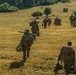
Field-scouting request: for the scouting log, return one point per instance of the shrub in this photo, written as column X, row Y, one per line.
column 5, row 7
column 36, row 14
column 74, row 13
column 64, row 1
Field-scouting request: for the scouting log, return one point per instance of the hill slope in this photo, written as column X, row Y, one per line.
column 45, row 49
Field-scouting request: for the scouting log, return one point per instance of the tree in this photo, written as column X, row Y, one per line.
column 28, row 3
column 5, row 7
column 59, row 0
column 64, row 1
column 47, row 11
column 37, row 14
column 74, row 13
column 17, row 3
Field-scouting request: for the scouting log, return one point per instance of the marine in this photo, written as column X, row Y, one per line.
column 67, row 55
column 57, row 21
column 35, row 28
column 26, row 42
column 44, row 24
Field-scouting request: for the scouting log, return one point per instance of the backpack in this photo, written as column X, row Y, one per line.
column 27, row 40
column 66, row 53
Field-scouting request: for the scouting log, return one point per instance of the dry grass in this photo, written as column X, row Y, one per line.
column 45, row 49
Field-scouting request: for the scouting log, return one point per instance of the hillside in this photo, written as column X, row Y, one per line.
column 44, row 51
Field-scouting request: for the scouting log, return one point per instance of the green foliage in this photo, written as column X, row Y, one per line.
column 59, row 0
column 47, row 11
column 28, row 3
column 37, row 13
column 74, row 13
column 17, row 3
column 5, row 7
column 64, row 1
column 49, row 2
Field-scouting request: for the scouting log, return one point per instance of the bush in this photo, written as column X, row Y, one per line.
column 36, row 14
column 53, row 1
column 46, row 2
column 49, row 2
column 74, row 13
column 64, row 1
column 59, row 0
column 5, row 7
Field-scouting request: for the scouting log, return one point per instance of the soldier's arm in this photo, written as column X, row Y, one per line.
column 73, row 58
column 59, row 57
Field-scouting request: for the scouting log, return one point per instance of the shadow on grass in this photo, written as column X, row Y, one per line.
column 16, row 64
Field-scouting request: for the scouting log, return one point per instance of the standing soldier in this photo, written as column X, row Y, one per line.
column 26, row 42
column 71, row 19
column 35, row 28
column 45, row 23
column 74, row 21
column 56, row 21
column 59, row 21
column 49, row 21
column 67, row 55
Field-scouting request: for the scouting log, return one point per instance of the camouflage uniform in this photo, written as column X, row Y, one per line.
column 74, row 21
column 49, row 21
column 71, row 20
column 57, row 21
column 35, row 28
column 67, row 55
column 45, row 23
column 26, row 43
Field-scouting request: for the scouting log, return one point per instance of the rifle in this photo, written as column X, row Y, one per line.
column 29, row 33
column 21, row 32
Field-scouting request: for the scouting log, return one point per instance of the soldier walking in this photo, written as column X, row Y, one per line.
column 57, row 21
column 49, row 21
column 71, row 20
column 35, row 28
column 67, row 55
column 44, row 24
column 26, row 42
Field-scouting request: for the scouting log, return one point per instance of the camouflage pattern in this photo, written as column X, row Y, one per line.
column 67, row 55
column 57, row 21
column 49, row 21
column 73, row 20
column 35, row 27
column 26, row 42
column 46, row 21
column 44, row 24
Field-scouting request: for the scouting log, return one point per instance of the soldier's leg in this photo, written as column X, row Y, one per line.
column 34, row 35
column 28, row 52
column 24, row 53
column 44, row 26
column 67, row 66
column 49, row 23
column 37, row 33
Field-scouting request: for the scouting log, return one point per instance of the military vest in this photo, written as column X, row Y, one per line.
column 27, row 40
column 67, row 53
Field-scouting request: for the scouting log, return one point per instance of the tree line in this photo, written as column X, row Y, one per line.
column 20, row 4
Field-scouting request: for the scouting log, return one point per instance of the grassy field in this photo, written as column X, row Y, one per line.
column 44, row 51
